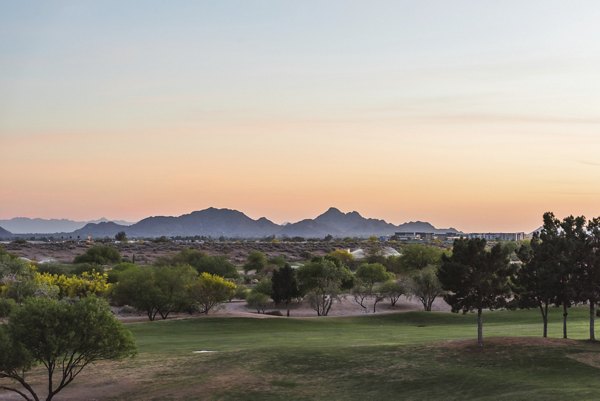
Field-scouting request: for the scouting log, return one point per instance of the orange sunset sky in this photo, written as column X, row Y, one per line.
column 475, row 115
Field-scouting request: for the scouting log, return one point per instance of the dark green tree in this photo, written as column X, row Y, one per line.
column 63, row 337
column 536, row 283
column 475, row 278
column 137, row 287
column 172, row 283
column 99, row 255
column 588, row 273
column 202, row 262
column 569, row 252
column 121, row 236
column 285, row 286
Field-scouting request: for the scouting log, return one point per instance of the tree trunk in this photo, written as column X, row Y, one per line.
column 287, row 305
column 592, row 320
column 429, row 304
column 479, row 327
column 565, row 314
column 50, row 383
column 424, row 302
column 544, row 312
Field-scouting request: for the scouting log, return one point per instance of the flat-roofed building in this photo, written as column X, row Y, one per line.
column 498, row 236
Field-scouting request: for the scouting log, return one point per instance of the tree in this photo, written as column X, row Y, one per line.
column 136, row 287
column 371, row 273
column 418, row 256
column 256, row 261
column 322, row 280
column 475, row 278
column 257, row 300
column 285, row 286
column 264, row 286
column 536, row 281
column 121, row 236
column 343, row 256
column 6, row 307
column 210, row 290
column 425, row 286
column 278, row 261
column 373, row 248
column 64, row 337
column 590, row 276
column 17, row 278
column 568, row 252
column 157, row 290
column 99, row 255
column 202, row 262
column 172, row 283
column 367, row 275
column 393, row 289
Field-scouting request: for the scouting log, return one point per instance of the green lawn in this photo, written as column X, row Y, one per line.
column 381, row 357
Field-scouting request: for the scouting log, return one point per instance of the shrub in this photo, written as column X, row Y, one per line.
column 99, row 255
column 7, row 305
column 257, row 300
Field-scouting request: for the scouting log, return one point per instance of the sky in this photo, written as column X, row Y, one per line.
column 480, row 115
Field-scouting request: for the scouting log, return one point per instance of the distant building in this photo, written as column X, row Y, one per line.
column 498, row 236
column 412, row 236
column 425, row 236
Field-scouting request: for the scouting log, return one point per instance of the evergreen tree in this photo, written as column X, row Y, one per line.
column 285, row 286
column 475, row 278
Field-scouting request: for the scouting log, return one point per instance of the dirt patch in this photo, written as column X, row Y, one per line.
column 588, row 358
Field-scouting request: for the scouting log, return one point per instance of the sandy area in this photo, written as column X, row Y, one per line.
column 344, row 307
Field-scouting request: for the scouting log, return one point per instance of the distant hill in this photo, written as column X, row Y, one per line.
column 26, row 225
column 103, row 229
column 424, row 227
column 5, row 233
column 209, row 222
column 338, row 224
column 215, row 223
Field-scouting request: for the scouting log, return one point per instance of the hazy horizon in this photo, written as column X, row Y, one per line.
column 476, row 115
column 131, row 222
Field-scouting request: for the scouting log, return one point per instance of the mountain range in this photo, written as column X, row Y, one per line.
column 5, row 234
column 26, row 225
column 229, row 223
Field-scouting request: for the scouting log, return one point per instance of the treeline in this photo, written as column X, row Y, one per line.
column 192, row 281
column 559, row 267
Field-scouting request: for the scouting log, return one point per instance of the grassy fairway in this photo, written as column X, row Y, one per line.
column 401, row 356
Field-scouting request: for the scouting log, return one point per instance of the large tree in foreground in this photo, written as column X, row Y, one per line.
column 63, row 337
column 475, row 278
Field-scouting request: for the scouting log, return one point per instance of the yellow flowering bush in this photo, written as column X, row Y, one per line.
column 89, row 283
